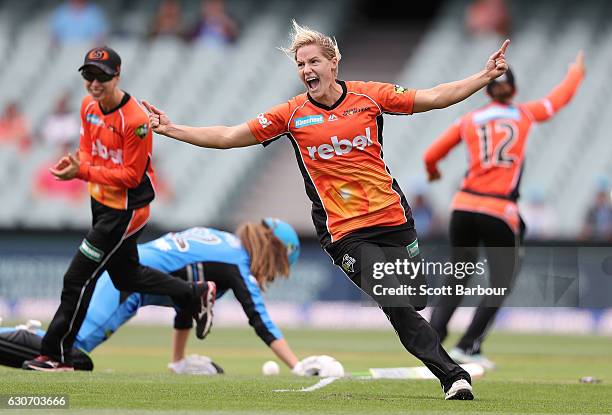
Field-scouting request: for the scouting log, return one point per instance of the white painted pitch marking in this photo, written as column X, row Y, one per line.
column 320, row 384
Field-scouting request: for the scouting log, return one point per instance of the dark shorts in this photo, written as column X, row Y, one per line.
column 361, row 254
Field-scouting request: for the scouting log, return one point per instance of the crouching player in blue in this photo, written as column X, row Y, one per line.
column 244, row 263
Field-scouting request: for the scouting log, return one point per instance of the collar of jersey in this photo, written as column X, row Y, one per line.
column 325, row 107
column 124, row 100
column 501, row 104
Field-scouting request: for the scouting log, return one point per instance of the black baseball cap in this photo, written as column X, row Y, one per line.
column 103, row 58
column 508, row 76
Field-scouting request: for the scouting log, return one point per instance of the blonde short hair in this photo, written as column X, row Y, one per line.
column 303, row 36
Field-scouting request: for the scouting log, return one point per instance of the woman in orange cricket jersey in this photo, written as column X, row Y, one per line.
column 358, row 209
column 484, row 211
column 114, row 158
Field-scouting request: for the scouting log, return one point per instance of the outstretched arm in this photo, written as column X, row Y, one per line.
column 543, row 109
column 281, row 349
column 210, row 137
column 445, row 95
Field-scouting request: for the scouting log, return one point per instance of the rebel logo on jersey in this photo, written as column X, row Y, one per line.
column 102, row 151
column 339, row 150
column 340, row 147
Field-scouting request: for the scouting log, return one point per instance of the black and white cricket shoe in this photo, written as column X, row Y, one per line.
column 460, row 390
column 203, row 314
column 46, row 364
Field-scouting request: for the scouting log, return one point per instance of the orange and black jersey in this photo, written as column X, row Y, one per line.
column 495, row 137
column 115, row 154
column 339, row 152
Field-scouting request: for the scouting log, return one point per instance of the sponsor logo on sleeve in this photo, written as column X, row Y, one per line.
column 91, row 251
column 263, row 121
column 142, row 130
column 308, row 120
column 400, row 89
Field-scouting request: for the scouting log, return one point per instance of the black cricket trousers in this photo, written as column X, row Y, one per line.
column 111, row 245
column 356, row 255
column 469, row 230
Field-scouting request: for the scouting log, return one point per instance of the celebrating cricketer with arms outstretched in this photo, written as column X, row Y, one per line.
column 358, row 208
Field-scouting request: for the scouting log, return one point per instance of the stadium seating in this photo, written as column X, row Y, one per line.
column 564, row 156
column 195, row 84
column 203, row 85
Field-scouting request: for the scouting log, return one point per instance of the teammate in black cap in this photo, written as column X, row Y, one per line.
column 114, row 157
column 105, row 59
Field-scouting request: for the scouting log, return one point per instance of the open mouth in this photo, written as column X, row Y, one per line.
column 96, row 93
column 312, row 82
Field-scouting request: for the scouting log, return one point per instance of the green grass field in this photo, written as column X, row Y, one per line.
column 536, row 374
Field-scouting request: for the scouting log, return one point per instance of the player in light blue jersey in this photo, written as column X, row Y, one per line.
column 244, row 262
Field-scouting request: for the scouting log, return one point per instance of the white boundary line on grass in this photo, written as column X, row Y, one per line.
column 320, row 384
column 419, row 372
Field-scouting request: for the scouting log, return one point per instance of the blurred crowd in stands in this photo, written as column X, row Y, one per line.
column 59, row 132
column 214, row 26
column 540, row 217
column 488, row 17
column 84, row 21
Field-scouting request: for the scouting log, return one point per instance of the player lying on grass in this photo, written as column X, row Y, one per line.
column 485, row 209
column 244, row 263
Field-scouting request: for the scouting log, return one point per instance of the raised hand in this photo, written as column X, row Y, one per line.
column 158, row 119
column 496, row 65
column 433, row 176
column 579, row 62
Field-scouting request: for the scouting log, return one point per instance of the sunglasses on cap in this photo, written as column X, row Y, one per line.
column 100, row 76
